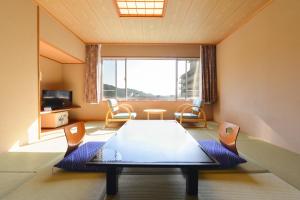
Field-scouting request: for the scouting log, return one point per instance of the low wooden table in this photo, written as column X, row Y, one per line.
column 152, row 144
column 155, row 111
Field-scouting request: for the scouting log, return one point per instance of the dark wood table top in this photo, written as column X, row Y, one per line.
column 152, row 143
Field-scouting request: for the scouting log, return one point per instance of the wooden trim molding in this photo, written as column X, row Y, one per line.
column 51, row 59
column 38, row 71
column 50, row 51
column 149, row 43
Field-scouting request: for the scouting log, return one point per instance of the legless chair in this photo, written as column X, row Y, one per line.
column 74, row 134
column 191, row 113
column 114, row 115
column 228, row 134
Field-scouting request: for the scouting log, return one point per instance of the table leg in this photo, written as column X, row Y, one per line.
column 192, row 181
column 161, row 115
column 111, row 181
column 148, row 115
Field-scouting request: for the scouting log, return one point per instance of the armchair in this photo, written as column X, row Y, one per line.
column 191, row 113
column 114, row 115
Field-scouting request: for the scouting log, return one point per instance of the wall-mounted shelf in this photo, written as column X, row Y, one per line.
column 60, row 110
column 51, row 52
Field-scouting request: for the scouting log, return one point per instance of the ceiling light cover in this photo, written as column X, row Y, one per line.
column 141, row 8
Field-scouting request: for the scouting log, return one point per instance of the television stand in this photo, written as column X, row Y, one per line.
column 55, row 118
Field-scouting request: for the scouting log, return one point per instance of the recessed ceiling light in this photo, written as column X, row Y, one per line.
column 141, row 8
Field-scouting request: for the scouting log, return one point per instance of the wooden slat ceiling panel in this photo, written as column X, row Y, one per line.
column 185, row 21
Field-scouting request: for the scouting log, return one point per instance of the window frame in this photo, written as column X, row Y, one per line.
column 115, row 59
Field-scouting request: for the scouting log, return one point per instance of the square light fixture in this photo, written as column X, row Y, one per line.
column 141, row 8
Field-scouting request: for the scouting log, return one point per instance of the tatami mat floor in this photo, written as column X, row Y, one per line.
column 18, row 170
column 279, row 161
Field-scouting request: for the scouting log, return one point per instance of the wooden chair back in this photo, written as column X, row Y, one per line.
column 228, row 134
column 74, row 135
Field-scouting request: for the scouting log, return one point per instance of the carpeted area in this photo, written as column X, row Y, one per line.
column 271, row 173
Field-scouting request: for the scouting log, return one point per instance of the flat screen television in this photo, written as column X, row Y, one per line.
column 56, row 99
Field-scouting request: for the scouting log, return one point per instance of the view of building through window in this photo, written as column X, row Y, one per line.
column 162, row 79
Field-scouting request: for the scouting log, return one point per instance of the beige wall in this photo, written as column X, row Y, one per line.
column 58, row 36
column 18, row 73
column 151, row 50
column 258, row 76
column 50, row 74
column 73, row 75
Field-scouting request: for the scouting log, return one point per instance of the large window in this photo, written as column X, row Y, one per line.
column 161, row 79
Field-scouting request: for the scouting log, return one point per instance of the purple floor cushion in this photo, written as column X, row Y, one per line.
column 225, row 157
column 76, row 161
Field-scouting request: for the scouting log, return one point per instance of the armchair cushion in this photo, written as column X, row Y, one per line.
column 124, row 116
column 186, row 115
column 197, row 103
column 113, row 104
column 76, row 160
column 225, row 157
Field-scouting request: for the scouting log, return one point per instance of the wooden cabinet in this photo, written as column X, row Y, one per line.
column 56, row 119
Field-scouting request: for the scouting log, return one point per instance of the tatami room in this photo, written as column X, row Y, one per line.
column 149, row 99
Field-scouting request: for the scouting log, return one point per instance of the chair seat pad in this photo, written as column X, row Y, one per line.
column 225, row 157
column 124, row 116
column 76, row 160
column 186, row 115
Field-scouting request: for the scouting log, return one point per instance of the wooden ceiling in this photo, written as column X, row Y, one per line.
column 185, row 21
